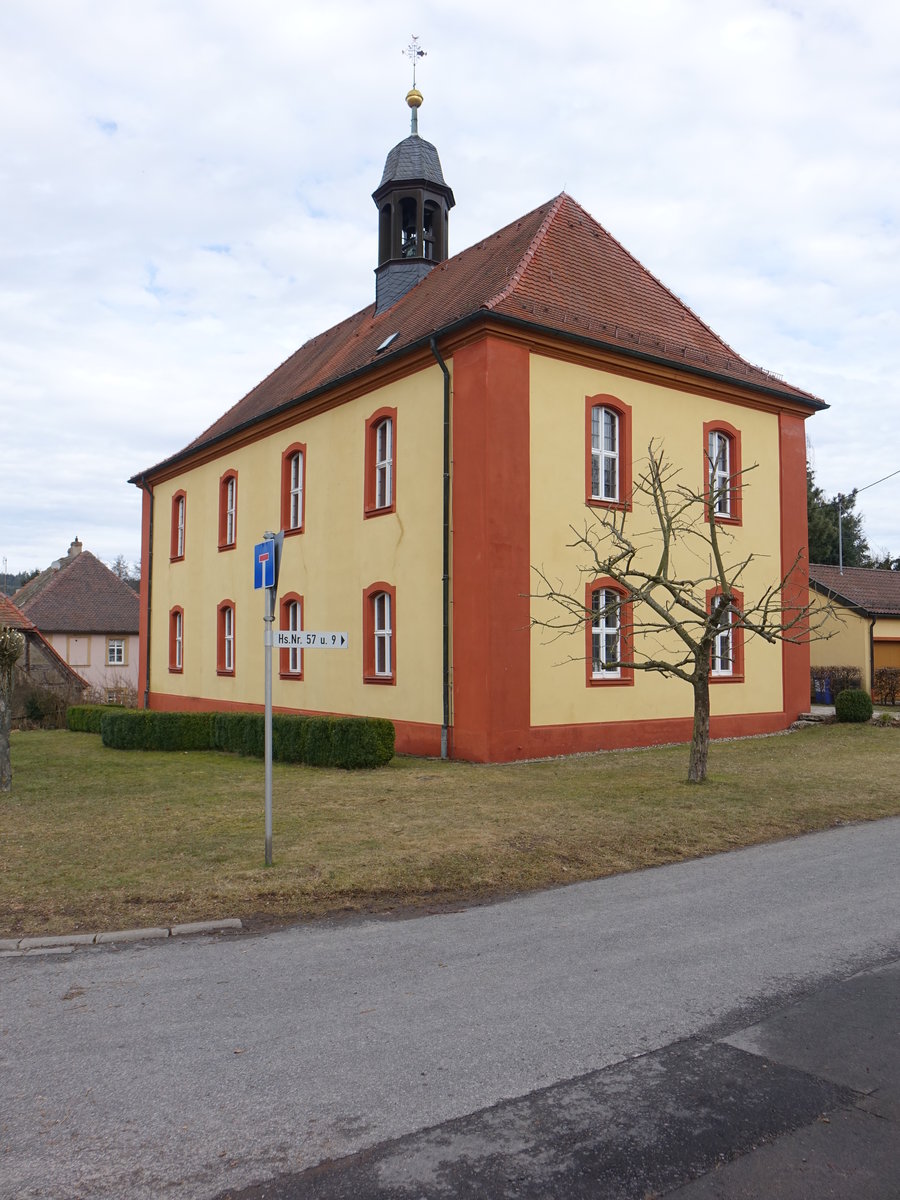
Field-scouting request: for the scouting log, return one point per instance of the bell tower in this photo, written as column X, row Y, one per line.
column 413, row 203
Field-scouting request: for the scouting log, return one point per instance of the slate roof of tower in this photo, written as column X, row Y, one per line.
column 413, row 158
column 875, row 591
column 556, row 270
column 84, row 597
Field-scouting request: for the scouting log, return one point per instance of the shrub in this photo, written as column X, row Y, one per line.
column 853, row 704
column 85, row 718
column 886, row 684
column 348, row 742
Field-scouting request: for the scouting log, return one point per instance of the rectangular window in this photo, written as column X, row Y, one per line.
column 384, row 461
column 382, row 621
column 719, row 450
column 115, row 652
column 722, row 655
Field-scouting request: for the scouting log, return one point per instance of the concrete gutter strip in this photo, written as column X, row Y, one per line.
column 66, row 941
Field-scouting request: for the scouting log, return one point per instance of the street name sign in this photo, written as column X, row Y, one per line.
column 308, row 639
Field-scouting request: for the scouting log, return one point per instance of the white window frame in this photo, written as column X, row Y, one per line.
column 119, row 645
column 606, row 631
column 178, row 640
column 295, row 623
column 179, row 527
column 383, row 634
column 384, row 463
column 230, row 510
column 228, row 638
column 296, row 492
column 604, row 458
column 719, row 453
column 722, row 661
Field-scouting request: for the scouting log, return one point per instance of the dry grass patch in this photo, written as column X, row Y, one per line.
column 94, row 838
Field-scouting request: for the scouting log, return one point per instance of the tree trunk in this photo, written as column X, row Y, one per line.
column 700, row 739
column 5, row 726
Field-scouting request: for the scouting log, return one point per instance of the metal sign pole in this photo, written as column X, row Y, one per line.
column 268, row 619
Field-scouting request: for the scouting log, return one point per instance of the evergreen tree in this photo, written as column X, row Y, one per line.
column 822, row 518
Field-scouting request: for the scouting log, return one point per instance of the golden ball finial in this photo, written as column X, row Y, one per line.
column 414, row 98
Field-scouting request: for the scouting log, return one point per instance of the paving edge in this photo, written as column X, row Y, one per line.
column 60, row 941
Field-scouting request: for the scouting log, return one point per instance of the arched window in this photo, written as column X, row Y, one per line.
column 381, row 462
column 726, row 663
column 607, row 452
column 179, row 514
column 409, row 228
column 290, row 664
column 225, row 638
column 228, row 510
column 293, row 484
column 380, row 634
column 722, row 471
column 608, row 631
column 176, row 640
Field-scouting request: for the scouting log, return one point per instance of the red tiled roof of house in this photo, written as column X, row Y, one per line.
column 11, row 615
column 553, row 269
column 875, row 591
column 85, row 597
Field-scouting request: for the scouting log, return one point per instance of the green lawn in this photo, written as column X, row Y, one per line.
column 96, row 838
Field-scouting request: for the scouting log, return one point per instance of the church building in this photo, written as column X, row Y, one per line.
column 427, row 453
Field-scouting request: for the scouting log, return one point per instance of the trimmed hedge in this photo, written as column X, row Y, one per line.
column 85, row 718
column 348, row 742
column 853, row 705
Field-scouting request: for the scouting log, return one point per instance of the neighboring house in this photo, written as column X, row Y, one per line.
column 864, row 626
column 91, row 618
column 423, row 455
column 39, row 666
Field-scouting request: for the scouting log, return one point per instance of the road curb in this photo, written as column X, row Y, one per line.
column 67, row 941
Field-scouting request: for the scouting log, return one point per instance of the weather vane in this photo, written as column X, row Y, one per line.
column 413, row 52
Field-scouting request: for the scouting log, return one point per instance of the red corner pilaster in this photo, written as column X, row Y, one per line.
column 144, row 619
column 491, row 567
column 794, row 548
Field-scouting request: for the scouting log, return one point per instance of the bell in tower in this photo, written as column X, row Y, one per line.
column 413, row 204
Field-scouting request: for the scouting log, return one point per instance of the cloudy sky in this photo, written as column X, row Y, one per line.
column 186, row 198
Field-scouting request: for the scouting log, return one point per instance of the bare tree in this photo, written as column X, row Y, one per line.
column 12, row 643
column 676, row 606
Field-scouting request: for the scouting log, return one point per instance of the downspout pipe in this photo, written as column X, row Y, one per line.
column 149, row 491
column 871, row 655
column 445, row 686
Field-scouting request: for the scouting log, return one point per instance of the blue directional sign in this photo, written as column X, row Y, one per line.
column 264, row 564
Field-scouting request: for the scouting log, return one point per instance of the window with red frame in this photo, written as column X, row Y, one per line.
column 179, row 513
column 727, row 653
column 290, row 665
column 225, row 638
column 381, row 462
column 293, row 483
column 608, row 632
column 380, row 634
column 722, row 471
column 607, row 452
column 176, row 639
column 228, row 510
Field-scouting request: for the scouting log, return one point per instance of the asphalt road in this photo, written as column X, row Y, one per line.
column 207, row 1067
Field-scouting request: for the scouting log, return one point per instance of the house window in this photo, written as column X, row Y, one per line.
column 608, row 631
column 379, row 634
column 228, row 510
column 176, row 639
column 722, row 471
column 290, row 663
column 381, row 462
column 607, row 452
column 179, row 512
column 115, row 652
column 293, row 480
column 727, row 652
column 225, row 640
